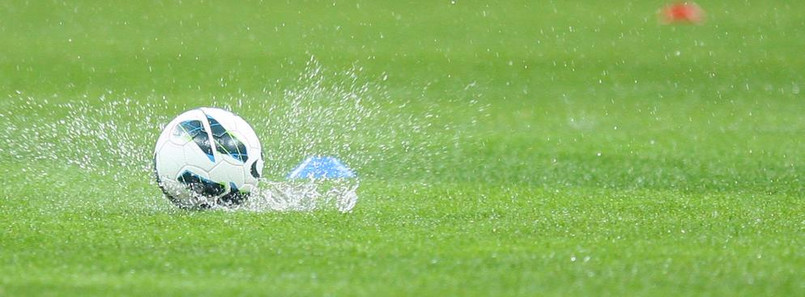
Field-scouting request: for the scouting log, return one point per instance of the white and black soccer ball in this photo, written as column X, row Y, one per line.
column 207, row 157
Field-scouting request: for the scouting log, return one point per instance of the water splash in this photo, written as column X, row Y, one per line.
column 322, row 112
column 305, row 195
column 105, row 138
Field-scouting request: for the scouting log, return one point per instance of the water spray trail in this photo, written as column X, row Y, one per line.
column 322, row 112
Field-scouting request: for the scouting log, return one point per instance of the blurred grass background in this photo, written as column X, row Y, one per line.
column 568, row 148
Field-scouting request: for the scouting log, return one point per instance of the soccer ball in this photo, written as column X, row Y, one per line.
column 207, row 157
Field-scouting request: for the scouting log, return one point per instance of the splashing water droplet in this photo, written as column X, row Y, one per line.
column 322, row 112
column 306, row 195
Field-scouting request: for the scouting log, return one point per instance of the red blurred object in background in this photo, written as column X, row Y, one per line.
column 682, row 12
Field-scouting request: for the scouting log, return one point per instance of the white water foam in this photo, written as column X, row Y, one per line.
column 304, row 195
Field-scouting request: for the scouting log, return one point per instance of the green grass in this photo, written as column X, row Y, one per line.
column 517, row 148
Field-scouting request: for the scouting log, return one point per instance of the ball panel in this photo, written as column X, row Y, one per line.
column 201, row 185
column 173, row 132
column 226, row 142
column 193, row 155
column 246, row 131
column 225, row 173
column 169, row 160
column 197, row 131
column 255, row 170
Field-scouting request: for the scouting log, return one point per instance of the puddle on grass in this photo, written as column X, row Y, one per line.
column 322, row 113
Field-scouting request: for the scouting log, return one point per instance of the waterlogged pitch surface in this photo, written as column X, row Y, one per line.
column 508, row 149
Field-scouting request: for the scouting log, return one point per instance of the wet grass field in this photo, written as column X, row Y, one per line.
column 503, row 149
